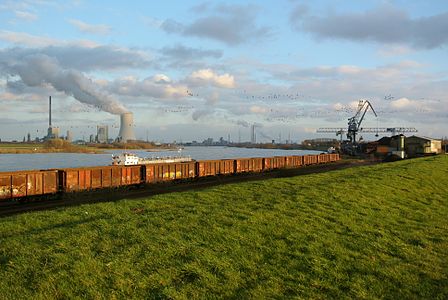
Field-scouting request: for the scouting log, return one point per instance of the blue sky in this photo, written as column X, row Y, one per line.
column 193, row 69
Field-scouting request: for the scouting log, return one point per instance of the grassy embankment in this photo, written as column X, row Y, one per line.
column 367, row 232
column 59, row 145
column 50, row 146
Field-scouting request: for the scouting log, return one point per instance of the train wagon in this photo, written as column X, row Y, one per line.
column 28, row 183
column 21, row 184
column 294, row 161
column 169, row 171
column 81, row 179
column 254, row 164
column 310, row 160
column 334, row 157
column 275, row 162
column 215, row 167
column 323, row 158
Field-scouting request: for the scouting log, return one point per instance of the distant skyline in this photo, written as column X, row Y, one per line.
column 190, row 70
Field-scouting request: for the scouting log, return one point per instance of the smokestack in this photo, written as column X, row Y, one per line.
column 126, row 127
column 49, row 111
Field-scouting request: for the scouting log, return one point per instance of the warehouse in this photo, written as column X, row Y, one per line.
column 419, row 146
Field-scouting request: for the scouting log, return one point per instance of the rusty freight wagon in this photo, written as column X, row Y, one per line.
column 310, row 160
column 21, row 184
column 334, row 157
column 294, row 161
column 169, row 171
column 81, row 179
column 275, row 162
column 215, row 167
column 323, row 158
column 254, row 164
column 28, row 183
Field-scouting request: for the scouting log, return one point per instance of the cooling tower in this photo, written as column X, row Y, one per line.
column 126, row 127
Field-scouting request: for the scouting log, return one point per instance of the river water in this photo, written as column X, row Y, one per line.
column 40, row 161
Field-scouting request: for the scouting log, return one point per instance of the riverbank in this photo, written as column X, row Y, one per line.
column 28, row 148
column 303, row 237
column 280, row 146
column 62, row 146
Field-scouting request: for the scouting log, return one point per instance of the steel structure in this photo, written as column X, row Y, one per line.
column 392, row 130
column 354, row 123
column 354, row 127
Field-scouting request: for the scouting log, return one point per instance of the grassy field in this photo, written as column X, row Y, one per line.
column 60, row 145
column 366, row 232
column 46, row 147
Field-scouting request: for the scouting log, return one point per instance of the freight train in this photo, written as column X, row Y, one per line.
column 28, row 184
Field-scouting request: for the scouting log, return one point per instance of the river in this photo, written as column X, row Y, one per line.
column 40, row 161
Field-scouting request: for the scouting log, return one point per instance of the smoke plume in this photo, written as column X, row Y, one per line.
column 242, row 123
column 40, row 69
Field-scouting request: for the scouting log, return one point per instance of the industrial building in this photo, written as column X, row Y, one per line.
column 52, row 132
column 253, row 136
column 419, row 146
column 413, row 146
column 126, row 128
column 69, row 136
column 102, row 133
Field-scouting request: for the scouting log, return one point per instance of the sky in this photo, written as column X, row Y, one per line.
column 189, row 70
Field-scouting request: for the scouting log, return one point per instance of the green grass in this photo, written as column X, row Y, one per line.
column 367, row 232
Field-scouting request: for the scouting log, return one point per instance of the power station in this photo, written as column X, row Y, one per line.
column 52, row 132
column 126, row 133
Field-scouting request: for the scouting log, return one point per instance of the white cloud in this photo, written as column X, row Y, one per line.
column 24, row 15
column 100, row 29
column 158, row 86
column 394, row 50
column 407, row 104
column 161, row 78
column 258, row 109
column 82, row 58
column 209, row 76
column 26, row 39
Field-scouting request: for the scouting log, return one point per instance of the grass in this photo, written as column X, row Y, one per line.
column 50, row 146
column 59, row 145
column 367, row 232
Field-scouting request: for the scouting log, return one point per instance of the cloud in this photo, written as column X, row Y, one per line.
column 212, row 99
column 205, row 76
column 258, row 109
column 405, row 104
column 230, row 24
column 39, row 69
column 182, row 52
column 24, row 15
column 200, row 113
column 242, row 123
column 83, row 58
column 151, row 22
column 158, row 86
column 99, row 29
column 171, row 26
column 383, row 24
column 394, row 50
column 26, row 39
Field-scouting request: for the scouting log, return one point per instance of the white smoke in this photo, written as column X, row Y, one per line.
column 242, row 123
column 40, row 69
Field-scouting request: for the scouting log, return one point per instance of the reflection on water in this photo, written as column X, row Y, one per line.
column 12, row 162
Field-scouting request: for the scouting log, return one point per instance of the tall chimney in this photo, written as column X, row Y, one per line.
column 126, row 127
column 49, row 110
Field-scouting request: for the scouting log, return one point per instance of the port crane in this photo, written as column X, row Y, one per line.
column 354, row 127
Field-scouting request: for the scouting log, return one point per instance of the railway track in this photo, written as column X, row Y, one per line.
column 12, row 207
